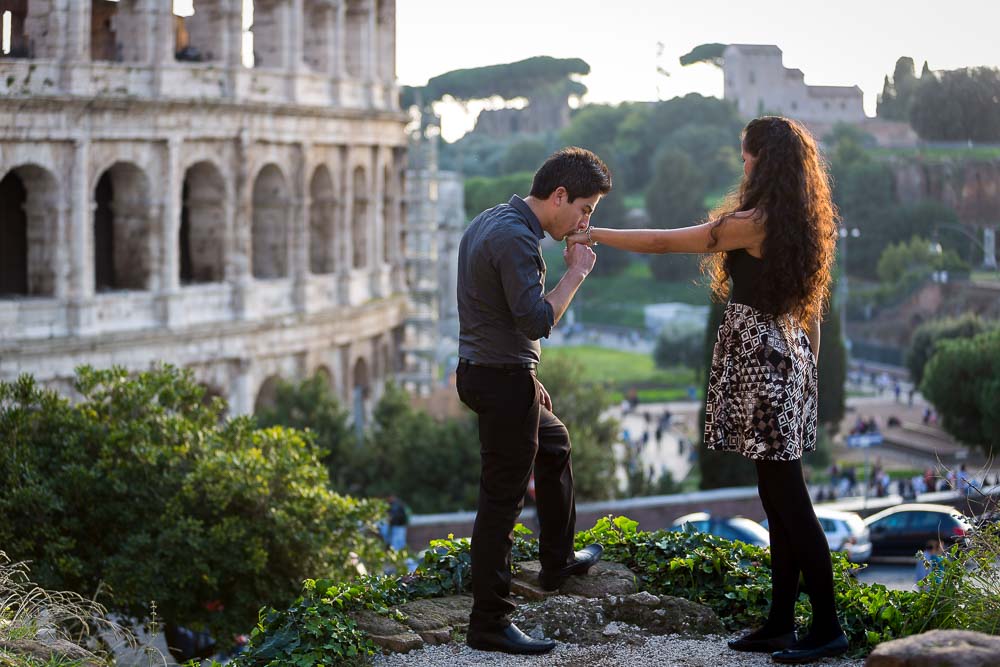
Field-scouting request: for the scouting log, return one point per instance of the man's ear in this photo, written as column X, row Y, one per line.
column 559, row 196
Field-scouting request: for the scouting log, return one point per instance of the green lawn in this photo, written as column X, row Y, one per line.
column 986, row 276
column 626, row 370
column 619, row 300
column 976, row 153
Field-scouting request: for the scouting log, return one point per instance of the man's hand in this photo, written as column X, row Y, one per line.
column 543, row 396
column 579, row 256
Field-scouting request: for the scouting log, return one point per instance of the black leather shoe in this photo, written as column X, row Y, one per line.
column 582, row 561
column 769, row 645
column 508, row 640
column 795, row 656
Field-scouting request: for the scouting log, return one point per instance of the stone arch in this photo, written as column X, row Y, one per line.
column 324, row 372
column 355, row 33
column 322, row 221
column 388, row 213
column 318, row 35
column 119, row 31
column 268, row 28
column 124, row 238
column 201, row 36
column 385, row 27
column 28, row 232
column 401, row 213
column 267, row 394
column 13, row 19
column 359, row 218
column 361, row 393
column 386, row 355
column 203, row 225
column 269, row 232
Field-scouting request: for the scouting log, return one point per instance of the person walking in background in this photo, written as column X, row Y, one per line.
column 774, row 238
column 399, row 519
column 503, row 311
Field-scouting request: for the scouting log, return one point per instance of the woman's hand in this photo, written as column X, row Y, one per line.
column 577, row 237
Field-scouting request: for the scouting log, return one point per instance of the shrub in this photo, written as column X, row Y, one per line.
column 730, row 577
column 139, row 491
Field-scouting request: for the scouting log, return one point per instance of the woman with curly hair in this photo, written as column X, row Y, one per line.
column 773, row 239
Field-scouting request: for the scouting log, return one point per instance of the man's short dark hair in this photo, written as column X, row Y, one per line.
column 580, row 171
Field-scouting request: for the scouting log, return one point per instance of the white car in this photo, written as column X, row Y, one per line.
column 847, row 532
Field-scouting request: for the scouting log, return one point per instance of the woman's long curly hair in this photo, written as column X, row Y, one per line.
column 790, row 189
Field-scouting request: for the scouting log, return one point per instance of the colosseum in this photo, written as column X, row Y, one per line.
column 218, row 184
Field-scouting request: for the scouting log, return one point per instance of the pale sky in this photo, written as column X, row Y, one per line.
column 835, row 42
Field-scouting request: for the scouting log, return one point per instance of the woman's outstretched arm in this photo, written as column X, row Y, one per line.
column 739, row 230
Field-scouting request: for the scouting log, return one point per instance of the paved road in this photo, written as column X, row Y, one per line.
column 896, row 577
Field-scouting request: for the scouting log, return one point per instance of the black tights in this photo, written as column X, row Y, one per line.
column 797, row 545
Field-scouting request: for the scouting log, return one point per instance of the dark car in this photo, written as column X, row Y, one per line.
column 900, row 532
column 731, row 528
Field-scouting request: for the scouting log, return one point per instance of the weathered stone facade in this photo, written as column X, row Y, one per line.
column 757, row 82
column 161, row 201
column 435, row 222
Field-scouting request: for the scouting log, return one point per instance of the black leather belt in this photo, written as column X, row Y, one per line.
column 526, row 365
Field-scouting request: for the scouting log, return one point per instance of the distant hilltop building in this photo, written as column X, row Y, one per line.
column 758, row 83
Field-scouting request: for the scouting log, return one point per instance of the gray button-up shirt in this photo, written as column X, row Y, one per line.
column 501, row 282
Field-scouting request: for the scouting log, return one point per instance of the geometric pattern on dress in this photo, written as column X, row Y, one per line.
column 762, row 396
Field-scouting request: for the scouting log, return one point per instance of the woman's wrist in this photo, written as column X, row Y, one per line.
column 590, row 239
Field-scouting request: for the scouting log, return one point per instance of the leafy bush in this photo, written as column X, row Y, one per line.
column 139, row 491
column 926, row 337
column 730, row 577
column 962, row 380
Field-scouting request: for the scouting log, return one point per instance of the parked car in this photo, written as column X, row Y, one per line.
column 847, row 532
column 901, row 531
column 730, row 528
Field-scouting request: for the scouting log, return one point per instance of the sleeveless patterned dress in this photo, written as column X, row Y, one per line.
column 762, row 390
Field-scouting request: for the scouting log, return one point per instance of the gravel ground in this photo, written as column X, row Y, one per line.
column 652, row 652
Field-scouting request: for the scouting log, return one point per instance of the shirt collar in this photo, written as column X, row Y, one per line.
column 532, row 219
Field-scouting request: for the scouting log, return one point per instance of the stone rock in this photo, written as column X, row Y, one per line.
column 591, row 621
column 52, row 651
column 664, row 615
column 938, row 648
column 386, row 632
column 604, row 579
column 436, row 613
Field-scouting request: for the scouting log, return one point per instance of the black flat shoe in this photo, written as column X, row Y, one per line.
column 582, row 561
column 508, row 640
column 795, row 656
column 769, row 645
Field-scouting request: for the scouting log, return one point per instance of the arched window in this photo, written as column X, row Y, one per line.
column 322, row 220
column 203, row 225
column 270, row 224
column 359, row 219
column 124, row 242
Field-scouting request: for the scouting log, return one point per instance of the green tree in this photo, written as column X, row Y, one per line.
column 897, row 95
column 680, row 347
column 675, row 198
column 139, row 488
column 311, row 406
column 962, row 380
column 705, row 53
column 539, row 75
column 483, row 192
column 832, row 368
column 929, row 335
column 911, row 261
column 432, row 465
column 524, row 156
column 958, row 105
column 580, row 405
column 719, row 469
